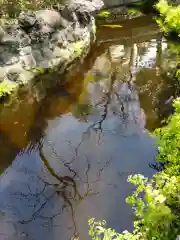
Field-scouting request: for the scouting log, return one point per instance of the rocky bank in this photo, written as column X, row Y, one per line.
column 45, row 41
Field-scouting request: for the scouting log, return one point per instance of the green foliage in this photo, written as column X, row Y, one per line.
column 38, row 70
column 169, row 19
column 12, row 8
column 6, row 88
column 174, row 48
column 163, row 7
column 133, row 11
column 104, row 14
column 169, row 141
column 156, row 202
column 154, row 218
column 98, row 231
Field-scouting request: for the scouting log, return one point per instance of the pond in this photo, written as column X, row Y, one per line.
column 66, row 152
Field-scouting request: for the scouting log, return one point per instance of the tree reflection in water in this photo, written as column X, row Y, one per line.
column 113, row 97
column 35, row 199
column 45, row 185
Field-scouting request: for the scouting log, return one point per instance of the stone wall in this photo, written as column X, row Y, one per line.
column 46, row 40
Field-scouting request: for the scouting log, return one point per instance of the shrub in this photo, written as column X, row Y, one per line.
column 169, row 19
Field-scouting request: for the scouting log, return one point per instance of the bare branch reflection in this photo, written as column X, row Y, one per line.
column 39, row 193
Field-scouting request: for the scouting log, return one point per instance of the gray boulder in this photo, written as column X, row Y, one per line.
column 46, row 39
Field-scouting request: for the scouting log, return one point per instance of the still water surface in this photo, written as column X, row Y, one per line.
column 66, row 152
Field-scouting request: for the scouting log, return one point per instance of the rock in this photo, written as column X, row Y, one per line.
column 52, row 18
column 44, row 64
column 12, row 72
column 20, row 36
column 25, row 77
column 46, row 30
column 86, row 6
column 68, row 14
column 46, row 52
column 78, row 34
column 83, row 17
column 10, row 41
column 82, row 9
column 15, row 38
column 59, row 36
column 37, row 55
column 68, row 36
column 25, row 51
column 25, row 41
column 2, row 34
column 7, row 39
column 57, row 52
column 13, row 75
column 41, row 24
column 98, row 5
column 28, row 62
column 12, row 60
column 63, row 44
column 46, row 39
column 2, row 73
column 8, row 58
column 27, row 20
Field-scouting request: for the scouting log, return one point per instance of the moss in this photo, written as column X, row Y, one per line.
column 6, row 88
column 78, row 48
column 39, row 70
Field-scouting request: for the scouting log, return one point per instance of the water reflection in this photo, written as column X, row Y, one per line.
column 72, row 151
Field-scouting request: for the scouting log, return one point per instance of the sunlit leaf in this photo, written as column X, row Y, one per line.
column 111, row 26
column 104, row 14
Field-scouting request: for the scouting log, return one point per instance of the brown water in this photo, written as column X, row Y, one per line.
column 66, row 151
